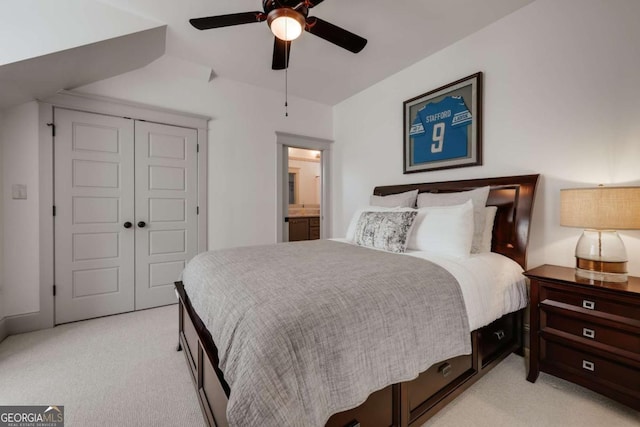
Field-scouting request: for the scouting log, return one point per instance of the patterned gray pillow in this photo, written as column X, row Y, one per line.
column 385, row 230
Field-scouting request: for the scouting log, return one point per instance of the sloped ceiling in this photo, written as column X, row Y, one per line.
column 47, row 45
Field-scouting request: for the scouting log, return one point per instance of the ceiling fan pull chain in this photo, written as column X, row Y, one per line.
column 286, row 92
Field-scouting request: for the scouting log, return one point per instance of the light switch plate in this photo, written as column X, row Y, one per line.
column 19, row 191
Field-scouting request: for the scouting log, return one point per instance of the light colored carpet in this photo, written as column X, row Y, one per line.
column 504, row 398
column 124, row 371
column 114, row 371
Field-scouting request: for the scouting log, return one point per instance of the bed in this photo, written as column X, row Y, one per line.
column 410, row 401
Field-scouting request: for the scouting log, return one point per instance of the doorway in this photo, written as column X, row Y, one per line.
column 303, row 195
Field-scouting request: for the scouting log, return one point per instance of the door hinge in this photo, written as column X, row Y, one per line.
column 54, row 290
column 197, row 148
column 54, row 211
column 197, row 210
column 53, row 128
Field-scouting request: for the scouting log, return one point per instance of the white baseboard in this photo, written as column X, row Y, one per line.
column 3, row 329
column 19, row 324
column 24, row 323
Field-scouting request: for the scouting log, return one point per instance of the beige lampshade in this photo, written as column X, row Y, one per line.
column 601, row 208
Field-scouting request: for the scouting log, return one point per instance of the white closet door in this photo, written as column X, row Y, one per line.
column 166, row 203
column 94, row 252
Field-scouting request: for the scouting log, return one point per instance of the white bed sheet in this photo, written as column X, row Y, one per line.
column 492, row 285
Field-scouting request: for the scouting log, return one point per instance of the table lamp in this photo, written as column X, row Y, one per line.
column 600, row 211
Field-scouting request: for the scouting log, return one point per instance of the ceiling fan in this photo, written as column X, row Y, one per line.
column 287, row 19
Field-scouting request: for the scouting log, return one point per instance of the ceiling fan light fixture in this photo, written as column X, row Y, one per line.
column 286, row 23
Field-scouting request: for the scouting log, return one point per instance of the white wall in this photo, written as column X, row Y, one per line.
column 560, row 99
column 19, row 142
column 242, row 142
column 2, row 297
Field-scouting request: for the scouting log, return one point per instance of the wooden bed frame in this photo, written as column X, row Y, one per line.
column 413, row 402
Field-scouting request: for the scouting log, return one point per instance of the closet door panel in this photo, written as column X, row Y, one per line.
column 166, row 209
column 93, row 193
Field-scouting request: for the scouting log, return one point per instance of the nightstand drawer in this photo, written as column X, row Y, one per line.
column 592, row 331
column 590, row 302
column 592, row 368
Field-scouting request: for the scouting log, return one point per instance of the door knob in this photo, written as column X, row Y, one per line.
column 141, row 224
column 127, row 224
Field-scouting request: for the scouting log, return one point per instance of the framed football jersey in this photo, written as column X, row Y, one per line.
column 442, row 128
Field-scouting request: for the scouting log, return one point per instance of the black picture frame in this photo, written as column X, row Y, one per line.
column 443, row 127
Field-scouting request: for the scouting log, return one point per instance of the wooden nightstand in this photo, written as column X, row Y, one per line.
column 587, row 332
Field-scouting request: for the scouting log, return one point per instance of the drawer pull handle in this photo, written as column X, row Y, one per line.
column 589, row 366
column 499, row 334
column 589, row 305
column 354, row 423
column 589, row 333
column 445, row 369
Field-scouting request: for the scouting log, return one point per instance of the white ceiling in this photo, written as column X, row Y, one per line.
column 46, row 46
column 400, row 33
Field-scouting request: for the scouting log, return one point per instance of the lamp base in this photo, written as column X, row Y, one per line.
column 601, row 256
column 602, row 271
column 598, row 276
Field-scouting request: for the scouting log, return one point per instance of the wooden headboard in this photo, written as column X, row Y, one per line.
column 513, row 195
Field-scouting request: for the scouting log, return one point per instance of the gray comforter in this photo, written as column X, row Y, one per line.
column 308, row 329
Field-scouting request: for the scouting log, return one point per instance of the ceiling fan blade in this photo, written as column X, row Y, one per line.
column 281, row 54
column 227, row 20
column 314, row 3
column 335, row 34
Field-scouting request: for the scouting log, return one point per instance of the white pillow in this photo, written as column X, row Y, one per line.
column 351, row 230
column 487, row 235
column 478, row 197
column 443, row 229
column 403, row 200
